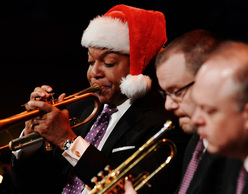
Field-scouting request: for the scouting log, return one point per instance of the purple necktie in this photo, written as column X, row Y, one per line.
column 94, row 137
column 99, row 128
column 241, row 180
column 197, row 155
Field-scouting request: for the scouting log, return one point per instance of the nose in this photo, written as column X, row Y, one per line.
column 95, row 70
column 197, row 117
column 170, row 104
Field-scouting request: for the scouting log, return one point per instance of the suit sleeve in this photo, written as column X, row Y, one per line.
column 92, row 162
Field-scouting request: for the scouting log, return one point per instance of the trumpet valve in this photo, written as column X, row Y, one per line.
column 107, row 169
column 98, row 185
column 101, row 174
column 94, row 180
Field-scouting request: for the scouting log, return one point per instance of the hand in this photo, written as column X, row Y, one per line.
column 54, row 126
column 39, row 92
column 129, row 188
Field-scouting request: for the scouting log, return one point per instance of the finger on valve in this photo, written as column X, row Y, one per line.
column 129, row 188
column 43, row 93
column 29, row 127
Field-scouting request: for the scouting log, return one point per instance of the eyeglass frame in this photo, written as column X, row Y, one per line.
column 174, row 95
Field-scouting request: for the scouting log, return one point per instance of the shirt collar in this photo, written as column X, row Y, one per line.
column 246, row 164
column 122, row 108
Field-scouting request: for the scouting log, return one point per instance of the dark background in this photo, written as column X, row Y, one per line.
column 40, row 42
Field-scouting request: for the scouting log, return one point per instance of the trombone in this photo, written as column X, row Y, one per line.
column 113, row 182
column 35, row 137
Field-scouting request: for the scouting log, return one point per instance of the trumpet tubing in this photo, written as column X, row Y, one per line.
column 27, row 115
column 114, row 182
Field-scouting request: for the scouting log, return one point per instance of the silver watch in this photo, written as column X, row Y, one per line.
column 67, row 144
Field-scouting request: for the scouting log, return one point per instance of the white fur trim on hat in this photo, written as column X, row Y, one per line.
column 107, row 32
column 135, row 86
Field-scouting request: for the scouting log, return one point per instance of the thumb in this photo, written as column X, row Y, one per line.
column 66, row 113
column 61, row 97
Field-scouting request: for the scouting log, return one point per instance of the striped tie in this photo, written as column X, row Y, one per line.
column 242, row 179
column 197, row 155
column 74, row 184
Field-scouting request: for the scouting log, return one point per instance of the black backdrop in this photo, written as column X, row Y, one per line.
column 40, row 41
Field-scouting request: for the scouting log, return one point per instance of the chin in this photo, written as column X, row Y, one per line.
column 214, row 150
column 103, row 99
column 188, row 128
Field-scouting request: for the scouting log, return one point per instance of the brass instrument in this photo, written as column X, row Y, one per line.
column 114, row 182
column 35, row 137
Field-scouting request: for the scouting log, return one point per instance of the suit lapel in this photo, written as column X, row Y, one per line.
column 200, row 172
column 127, row 122
column 245, row 188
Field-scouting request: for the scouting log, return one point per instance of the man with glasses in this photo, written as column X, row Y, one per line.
column 177, row 97
column 176, row 68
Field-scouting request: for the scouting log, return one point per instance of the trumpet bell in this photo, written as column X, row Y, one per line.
column 139, row 167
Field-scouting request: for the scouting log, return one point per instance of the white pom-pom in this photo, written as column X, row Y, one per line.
column 135, row 86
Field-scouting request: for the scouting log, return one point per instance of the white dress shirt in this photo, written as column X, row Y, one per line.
column 246, row 164
column 79, row 146
column 77, row 149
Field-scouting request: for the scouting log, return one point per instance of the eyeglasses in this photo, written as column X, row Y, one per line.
column 178, row 94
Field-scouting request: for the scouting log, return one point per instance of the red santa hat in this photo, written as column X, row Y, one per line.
column 129, row 30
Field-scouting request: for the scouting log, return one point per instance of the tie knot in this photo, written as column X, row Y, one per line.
column 200, row 145
column 110, row 109
column 199, row 149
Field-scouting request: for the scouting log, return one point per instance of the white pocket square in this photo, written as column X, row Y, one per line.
column 122, row 148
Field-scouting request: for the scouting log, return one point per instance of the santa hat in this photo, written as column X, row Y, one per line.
column 129, row 30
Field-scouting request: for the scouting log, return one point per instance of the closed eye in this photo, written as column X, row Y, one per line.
column 91, row 63
column 109, row 64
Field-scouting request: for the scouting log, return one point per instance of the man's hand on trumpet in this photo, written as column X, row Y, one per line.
column 54, row 125
column 129, row 188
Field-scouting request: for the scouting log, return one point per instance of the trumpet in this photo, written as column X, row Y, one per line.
column 35, row 137
column 114, row 181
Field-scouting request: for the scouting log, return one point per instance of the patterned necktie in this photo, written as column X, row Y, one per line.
column 197, row 155
column 99, row 128
column 242, row 179
column 94, row 137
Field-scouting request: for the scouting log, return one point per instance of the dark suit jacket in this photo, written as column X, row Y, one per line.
column 231, row 176
column 209, row 176
column 47, row 172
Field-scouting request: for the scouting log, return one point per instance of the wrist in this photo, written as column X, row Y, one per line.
column 67, row 143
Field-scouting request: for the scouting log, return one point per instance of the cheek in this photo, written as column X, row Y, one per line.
column 215, row 139
column 89, row 73
column 114, row 77
column 217, row 128
column 221, row 134
column 188, row 107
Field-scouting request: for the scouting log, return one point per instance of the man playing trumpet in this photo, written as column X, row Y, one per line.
column 120, row 45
